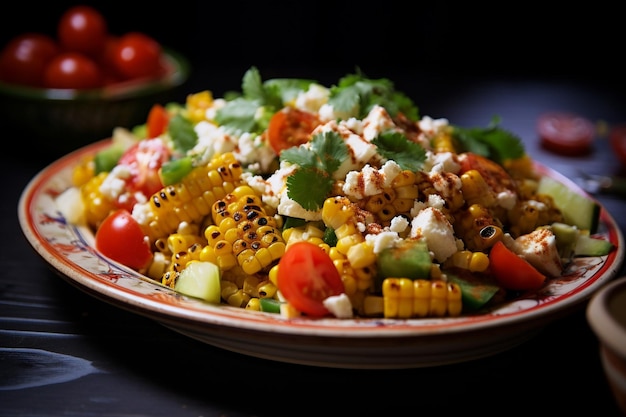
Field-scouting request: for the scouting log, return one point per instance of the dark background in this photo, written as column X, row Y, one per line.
column 439, row 40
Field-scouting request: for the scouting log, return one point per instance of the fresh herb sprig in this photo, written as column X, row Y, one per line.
column 356, row 94
column 312, row 180
column 492, row 141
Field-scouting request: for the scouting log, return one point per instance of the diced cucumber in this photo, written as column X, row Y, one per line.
column 578, row 210
column 589, row 246
column 200, row 280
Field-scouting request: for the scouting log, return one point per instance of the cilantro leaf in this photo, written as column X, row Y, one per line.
column 355, row 94
column 309, row 187
column 492, row 142
column 330, row 149
column 407, row 154
column 182, row 133
column 312, row 180
column 238, row 116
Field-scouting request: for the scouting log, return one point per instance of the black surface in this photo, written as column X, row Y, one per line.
column 62, row 352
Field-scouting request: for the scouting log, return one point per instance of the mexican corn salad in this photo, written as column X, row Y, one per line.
column 305, row 200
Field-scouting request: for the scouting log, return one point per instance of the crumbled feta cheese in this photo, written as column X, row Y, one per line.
column 212, row 140
column 399, row 224
column 370, row 181
column 289, row 207
column 339, row 306
column 431, row 126
column 312, row 99
column 539, row 249
column 441, row 162
column 115, row 182
column 251, row 150
column 507, row 199
column 377, row 122
column 382, row 240
column 433, row 225
column 142, row 213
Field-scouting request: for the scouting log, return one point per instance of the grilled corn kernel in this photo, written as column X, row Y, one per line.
column 405, row 298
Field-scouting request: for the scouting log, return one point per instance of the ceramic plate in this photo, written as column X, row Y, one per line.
column 357, row 343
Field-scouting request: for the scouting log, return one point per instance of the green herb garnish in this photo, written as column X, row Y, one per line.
column 492, row 142
column 407, row 154
column 312, row 181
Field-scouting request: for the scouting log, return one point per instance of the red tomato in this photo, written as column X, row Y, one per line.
column 493, row 173
column 617, row 137
column 290, row 127
column 24, row 59
column 307, row 276
column 144, row 160
column 512, row 271
column 72, row 70
column 82, row 29
column 121, row 238
column 137, row 55
column 565, row 133
column 158, row 120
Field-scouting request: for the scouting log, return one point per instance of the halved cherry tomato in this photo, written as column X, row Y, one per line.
column 72, row 70
column 121, row 238
column 512, row 271
column 137, row 55
column 307, row 276
column 144, row 160
column 158, row 120
column 493, row 173
column 82, row 29
column 24, row 59
column 565, row 133
column 290, row 127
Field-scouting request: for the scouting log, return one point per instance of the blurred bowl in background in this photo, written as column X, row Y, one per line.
column 606, row 315
column 62, row 120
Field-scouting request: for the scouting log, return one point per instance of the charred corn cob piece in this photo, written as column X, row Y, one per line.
column 337, row 211
column 191, row 199
column 405, row 298
column 443, row 142
column 527, row 215
column 465, row 259
column 476, row 190
column 97, row 205
column 442, row 185
column 478, row 228
column 244, row 231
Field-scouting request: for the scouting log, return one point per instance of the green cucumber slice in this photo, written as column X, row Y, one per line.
column 590, row 246
column 578, row 210
column 200, row 280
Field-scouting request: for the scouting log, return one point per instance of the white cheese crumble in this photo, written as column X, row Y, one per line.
column 539, row 249
column 433, row 225
column 370, row 181
column 339, row 306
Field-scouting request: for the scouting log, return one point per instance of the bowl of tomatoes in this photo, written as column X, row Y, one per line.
column 63, row 90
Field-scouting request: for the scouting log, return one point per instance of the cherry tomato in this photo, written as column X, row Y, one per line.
column 121, row 238
column 82, row 29
column 72, row 70
column 512, row 271
column 24, row 59
column 290, row 127
column 307, row 276
column 137, row 55
column 493, row 173
column 158, row 120
column 617, row 137
column 144, row 160
column 565, row 133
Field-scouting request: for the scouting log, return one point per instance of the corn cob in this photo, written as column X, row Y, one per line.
column 443, row 185
column 472, row 261
column 478, row 228
column 475, row 189
column 191, row 199
column 242, row 234
column 527, row 215
column 405, row 298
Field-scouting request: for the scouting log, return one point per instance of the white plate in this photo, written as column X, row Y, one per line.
column 359, row 343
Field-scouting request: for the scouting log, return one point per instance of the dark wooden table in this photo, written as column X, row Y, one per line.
column 62, row 352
